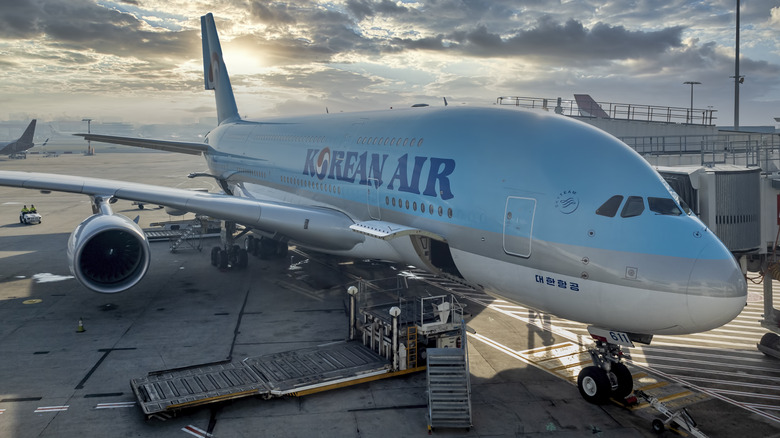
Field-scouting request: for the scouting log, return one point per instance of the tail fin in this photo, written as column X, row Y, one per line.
column 27, row 137
column 589, row 107
column 215, row 74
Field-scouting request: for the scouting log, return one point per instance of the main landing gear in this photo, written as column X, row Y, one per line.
column 608, row 376
column 228, row 254
column 234, row 256
column 231, row 255
column 265, row 248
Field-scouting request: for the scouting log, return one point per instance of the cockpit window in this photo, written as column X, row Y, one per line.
column 665, row 206
column 685, row 207
column 610, row 207
column 634, row 207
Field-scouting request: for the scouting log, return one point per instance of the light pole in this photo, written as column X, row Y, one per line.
column 737, row 80
column 89, row 143
column 691, row 83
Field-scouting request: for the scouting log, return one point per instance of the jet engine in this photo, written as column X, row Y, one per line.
column 108, row 253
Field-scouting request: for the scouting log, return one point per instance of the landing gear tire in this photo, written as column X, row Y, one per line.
column 215, row 255
column 594, row 385
column 222, row 259
column 242, row 260
column 624, row 380
column 281, row 249
column 770, row 341
column 249, row 244
column 267, row 248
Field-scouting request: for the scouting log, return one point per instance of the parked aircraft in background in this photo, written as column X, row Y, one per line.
column 589, row 107
column 21, row 144
column 533, row 207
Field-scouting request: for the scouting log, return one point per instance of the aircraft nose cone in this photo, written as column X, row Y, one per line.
column 717, row 291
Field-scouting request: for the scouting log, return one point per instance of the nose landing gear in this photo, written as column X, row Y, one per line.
column 608, row 376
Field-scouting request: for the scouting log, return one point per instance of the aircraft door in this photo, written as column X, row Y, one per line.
column 518, row 225
column 373, row 201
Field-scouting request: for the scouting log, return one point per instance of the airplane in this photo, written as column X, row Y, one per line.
column 536, row 208
column 589, row 107
column 21, row 144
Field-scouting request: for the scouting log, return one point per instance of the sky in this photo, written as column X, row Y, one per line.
column 139, row 61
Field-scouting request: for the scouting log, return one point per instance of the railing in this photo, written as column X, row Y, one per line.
column 620, row 111
column 743, row 149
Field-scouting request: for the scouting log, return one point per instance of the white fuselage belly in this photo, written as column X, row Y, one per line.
column 598, row 303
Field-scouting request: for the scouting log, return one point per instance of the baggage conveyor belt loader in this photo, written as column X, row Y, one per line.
column 382, row 343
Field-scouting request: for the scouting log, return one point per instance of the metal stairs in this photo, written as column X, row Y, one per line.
column 188, row 232
column 449, row 388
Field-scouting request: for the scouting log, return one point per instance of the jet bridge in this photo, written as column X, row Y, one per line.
column 385, row 340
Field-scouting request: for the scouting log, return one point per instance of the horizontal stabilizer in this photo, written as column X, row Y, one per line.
column 387, row 230
column 182, row 147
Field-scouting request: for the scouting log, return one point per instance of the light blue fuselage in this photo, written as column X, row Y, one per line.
column 514, row 194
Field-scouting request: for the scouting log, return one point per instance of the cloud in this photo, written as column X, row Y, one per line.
column 569, row 42
column 83, row 25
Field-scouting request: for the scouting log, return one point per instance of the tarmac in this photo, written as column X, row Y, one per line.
column 60, row 381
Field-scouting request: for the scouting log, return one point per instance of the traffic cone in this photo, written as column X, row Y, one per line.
column 81, row 328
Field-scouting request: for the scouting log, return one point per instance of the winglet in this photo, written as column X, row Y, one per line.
column 215, row 73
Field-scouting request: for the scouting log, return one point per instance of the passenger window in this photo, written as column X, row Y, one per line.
column 634, row 207
column 610, row 207
column 665, row 206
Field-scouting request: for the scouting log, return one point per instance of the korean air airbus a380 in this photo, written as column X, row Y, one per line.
column 536, row 208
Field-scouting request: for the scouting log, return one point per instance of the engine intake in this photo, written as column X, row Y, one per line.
column 108, row 253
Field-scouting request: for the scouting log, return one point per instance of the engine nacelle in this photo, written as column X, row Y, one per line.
column 108, row 253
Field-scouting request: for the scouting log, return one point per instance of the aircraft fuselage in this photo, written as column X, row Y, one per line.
column 513, row 195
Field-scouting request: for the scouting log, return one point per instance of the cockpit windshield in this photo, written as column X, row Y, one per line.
column 665, row 206
column 635, row 205
column 610, row 207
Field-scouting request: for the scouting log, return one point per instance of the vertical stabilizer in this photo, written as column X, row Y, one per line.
column 589, row 107
column 27, row 137
column 215, row 74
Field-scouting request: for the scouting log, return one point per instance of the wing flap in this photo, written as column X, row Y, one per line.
column 182, row 147
column 388, row 230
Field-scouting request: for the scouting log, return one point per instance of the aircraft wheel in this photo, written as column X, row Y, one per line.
column 770, row 341
column 625, row 383
column 214, row 255
column 249, row 244
column 281, row 249
column 594, row 385
column 222, row 259
column 140, row 206
column 243, row 259
column 267, row 248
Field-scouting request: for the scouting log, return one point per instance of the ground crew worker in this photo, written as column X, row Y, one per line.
column 32, row 209
column 25, row 210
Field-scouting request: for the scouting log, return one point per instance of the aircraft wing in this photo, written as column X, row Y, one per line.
column 182, row 147
column 316, row 226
